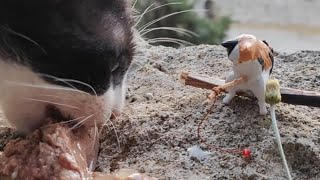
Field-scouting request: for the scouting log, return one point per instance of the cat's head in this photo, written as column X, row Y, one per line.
column 72, row 54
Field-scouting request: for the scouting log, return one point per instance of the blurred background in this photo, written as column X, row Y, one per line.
column 288, row 25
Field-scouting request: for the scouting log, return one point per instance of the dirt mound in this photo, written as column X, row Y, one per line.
column 161, row 119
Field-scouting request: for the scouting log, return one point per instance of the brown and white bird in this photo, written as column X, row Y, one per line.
column 253, row 59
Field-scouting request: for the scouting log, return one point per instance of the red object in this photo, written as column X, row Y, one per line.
column 246, row 153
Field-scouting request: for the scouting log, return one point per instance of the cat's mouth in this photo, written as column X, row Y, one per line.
column 56, row 115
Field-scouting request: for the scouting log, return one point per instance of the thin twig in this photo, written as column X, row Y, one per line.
column 215, row 93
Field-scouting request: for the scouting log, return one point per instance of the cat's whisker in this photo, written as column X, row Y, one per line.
column 12, row 49
column 144, row 29
column 175, row 29
column 72, row 120
column 163, row 5
column 114, row 128
column 95, row 135
column 163, row 17
column 147, row 10
column 49, row 87
column 82, row 83
column 144, row 12
column 81, row 122
column 57, row 79
column 112, row 113
column 52, row 102
column 62, row 98
column 65, row 122
column 172, row 40
column 127, row 115
column 24, row 37
column 134, row 4
column 66, row 81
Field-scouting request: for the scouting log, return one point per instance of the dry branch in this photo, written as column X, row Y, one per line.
column 288, row 95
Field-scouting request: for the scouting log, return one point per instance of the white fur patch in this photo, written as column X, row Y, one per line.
column 256, row 82
column 251, row 69
column 24, row 97
column 119, row 97
column 235, row 54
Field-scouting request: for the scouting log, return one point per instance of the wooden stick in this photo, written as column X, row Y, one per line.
column 199, row 81
column 288, row 95
column 217, row 90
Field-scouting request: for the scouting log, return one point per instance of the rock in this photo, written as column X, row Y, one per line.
column 148, row 96
column 198, row 153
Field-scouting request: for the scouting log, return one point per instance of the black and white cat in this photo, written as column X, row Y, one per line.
column 70, row 54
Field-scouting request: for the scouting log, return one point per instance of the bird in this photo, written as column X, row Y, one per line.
column 251, row 58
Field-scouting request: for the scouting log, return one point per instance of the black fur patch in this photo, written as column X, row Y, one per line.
column 264, row 41
column 260, row 60
column 272, row 61
column 270, row 55
column 85, row 40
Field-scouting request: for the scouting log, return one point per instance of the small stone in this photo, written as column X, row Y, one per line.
column 224, row 164
column 164, row 116
column 197, row 153
column 261, row 170
column 148, row 96
column 133, row 99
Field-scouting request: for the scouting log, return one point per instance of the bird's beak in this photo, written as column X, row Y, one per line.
column 230, row 44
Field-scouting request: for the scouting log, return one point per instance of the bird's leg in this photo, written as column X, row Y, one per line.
column 230, row 85
column 259, row 92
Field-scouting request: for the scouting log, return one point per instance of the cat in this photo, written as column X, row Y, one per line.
column 70, row 54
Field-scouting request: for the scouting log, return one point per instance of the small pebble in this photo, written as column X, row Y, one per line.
column 198, row 153
column 148, row 96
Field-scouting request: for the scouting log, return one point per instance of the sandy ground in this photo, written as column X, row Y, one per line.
column 161, row 119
